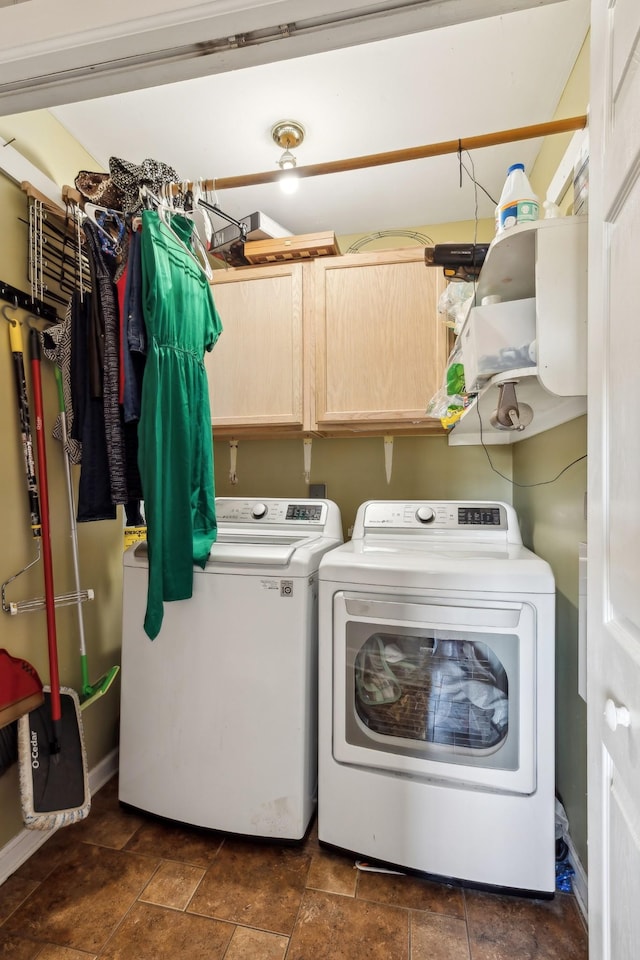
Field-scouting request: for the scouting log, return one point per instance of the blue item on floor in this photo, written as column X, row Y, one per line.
column 564, row 875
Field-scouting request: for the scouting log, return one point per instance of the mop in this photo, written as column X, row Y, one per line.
column 90, row 691
column 54, row 783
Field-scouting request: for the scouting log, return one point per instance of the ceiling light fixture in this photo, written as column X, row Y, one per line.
column 287, row 134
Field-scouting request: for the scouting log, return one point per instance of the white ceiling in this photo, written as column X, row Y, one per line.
column 454, row 82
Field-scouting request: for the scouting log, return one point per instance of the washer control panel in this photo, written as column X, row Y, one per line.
column 301, row 512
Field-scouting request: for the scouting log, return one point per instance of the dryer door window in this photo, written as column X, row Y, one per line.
column 439, row 689
column 432, row 688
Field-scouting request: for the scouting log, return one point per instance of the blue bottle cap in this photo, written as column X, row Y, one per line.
column 515, row 166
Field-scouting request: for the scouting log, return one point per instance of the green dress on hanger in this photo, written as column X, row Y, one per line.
column 175, row 444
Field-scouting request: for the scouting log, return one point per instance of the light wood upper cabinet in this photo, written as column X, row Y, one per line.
column 329, row 346
column 255, row 371
column 381, row 348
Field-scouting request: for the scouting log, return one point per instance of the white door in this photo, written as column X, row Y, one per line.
column 614, row 500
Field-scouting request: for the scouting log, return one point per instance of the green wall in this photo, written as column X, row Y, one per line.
column 354, row 471
column 553, row 523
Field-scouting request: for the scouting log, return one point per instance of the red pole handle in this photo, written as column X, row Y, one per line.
column 49, row 592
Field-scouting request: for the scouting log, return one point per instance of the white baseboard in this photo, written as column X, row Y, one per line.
column 25, row 843
column 103, row 771
column 580, row 884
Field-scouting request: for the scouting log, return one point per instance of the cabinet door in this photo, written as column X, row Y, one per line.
column 255, row 369
column 381, row 347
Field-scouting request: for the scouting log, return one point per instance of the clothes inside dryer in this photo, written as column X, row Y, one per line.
column 426, row 693
column 441, row 690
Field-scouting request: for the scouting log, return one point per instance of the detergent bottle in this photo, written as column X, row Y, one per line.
column 518, row 203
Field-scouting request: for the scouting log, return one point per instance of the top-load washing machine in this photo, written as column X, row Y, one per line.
column 219, row 712
column 436, row 695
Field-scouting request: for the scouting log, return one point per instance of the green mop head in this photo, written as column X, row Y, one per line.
column 93, row 691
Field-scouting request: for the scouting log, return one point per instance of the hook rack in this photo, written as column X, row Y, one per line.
column 19, row 299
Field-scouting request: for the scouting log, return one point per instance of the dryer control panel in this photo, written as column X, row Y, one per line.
column 485, row 516
column 447, row 518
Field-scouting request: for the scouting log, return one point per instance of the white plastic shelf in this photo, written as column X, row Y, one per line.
column 546, row 260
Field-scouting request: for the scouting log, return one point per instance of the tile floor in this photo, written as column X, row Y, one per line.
column 123, row 886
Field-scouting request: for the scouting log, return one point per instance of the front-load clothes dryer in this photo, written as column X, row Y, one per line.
column 436, row 695
column 219, row 712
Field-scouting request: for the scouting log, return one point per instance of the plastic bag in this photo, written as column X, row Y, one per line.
column 562, row 832
column 454, row 375
column 452, row 399
column 454, row 303
column 564, row 876
column 447, row 408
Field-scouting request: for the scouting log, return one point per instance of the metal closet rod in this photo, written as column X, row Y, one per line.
column 411, row 153
column 530, row 132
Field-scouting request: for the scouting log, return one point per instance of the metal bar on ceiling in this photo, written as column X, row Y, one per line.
column 397, row 17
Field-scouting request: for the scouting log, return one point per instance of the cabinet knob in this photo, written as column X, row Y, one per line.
column 616, row 716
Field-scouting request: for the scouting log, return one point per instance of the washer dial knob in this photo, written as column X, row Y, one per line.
column 425, row 515
column 259, row 511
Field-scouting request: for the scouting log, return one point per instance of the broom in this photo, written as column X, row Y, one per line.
column 54, row 784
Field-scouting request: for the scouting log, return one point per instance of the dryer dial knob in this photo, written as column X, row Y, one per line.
column 259, row 511
column 425, row 515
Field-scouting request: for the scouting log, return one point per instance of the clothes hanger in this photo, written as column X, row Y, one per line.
column 186, row 204
column 164, row 212
column 90, row 215
column 202, row 250
column 214, row 208
column 79, row 261
column 91, row 210
column 201, row 216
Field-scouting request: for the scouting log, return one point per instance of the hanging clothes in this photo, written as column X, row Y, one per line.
column 133, row 345
column 105, row 300
column 174, row 432
column 108, row 258
column 130, row 426
column 94, row 489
